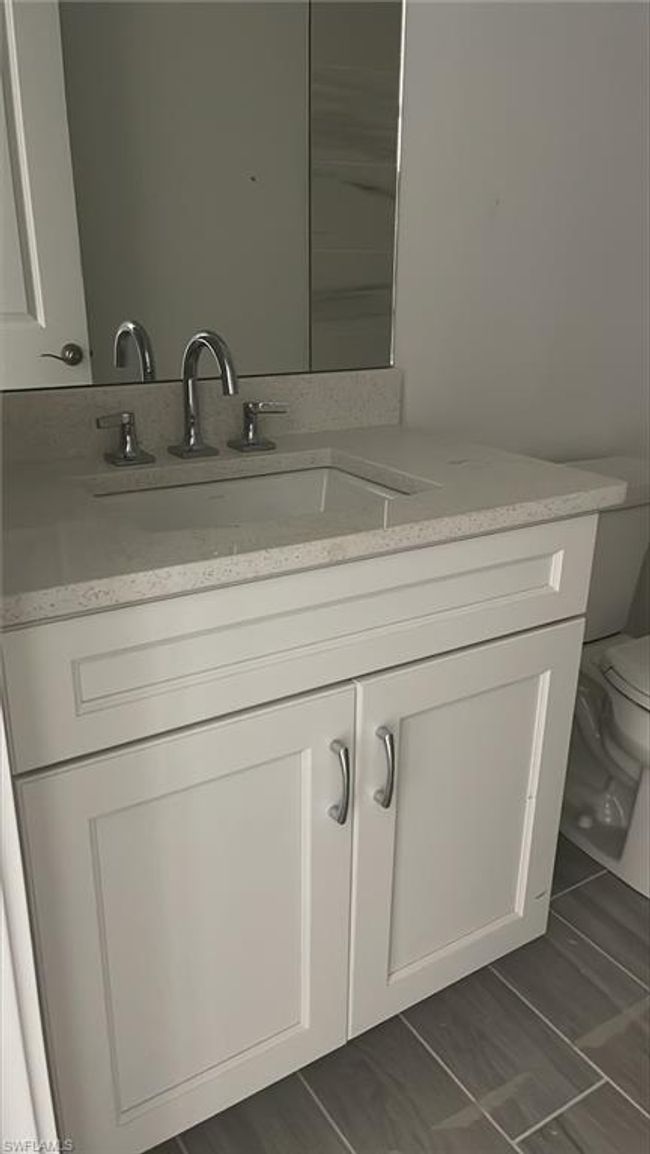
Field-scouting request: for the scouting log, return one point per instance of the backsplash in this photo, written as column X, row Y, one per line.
column 48, row 424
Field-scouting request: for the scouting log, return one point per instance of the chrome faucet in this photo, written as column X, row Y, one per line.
column 193, row 444
column 142, row 341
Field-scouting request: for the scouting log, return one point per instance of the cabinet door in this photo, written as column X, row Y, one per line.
column 457, row 870
column 191, row 901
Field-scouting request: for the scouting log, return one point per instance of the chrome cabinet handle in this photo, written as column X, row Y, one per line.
column 339, row 812
column 384, row 796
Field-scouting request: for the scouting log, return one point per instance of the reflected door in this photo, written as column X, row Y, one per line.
column 42, row 306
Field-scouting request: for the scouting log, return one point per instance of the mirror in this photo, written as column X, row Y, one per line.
column 231, row 165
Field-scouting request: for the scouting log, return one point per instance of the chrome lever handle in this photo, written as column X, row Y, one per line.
column 249, row 439
column 116, row 420
column 265, row 407
column 339, row 812
column 71, row 354
column 384, row 796
column 129, row 451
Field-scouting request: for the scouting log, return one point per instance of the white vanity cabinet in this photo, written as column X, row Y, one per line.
column 191, row 900
column 204, row 924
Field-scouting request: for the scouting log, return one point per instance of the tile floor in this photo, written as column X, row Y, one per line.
column 545, row 1052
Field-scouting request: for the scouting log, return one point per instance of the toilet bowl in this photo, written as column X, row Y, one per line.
column 606, row 809
column 626, row 668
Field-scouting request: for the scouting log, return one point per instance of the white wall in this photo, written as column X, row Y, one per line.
column 522, row 278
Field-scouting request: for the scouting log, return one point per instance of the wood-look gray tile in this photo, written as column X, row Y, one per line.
column 593, row 1002
column 283, row 1119
column 510, row 1061
column 615, row 917
column 353, row 206
column 572, row 866
column 340, row 280
column 388, row 1095
column 352, row 302
column 351, row 317
column 602, row 1123
column 354, row 114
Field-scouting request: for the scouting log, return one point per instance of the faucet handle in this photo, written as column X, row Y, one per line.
column 112, row 420
column 129, row 451
column 265, row 407
column 250, row 440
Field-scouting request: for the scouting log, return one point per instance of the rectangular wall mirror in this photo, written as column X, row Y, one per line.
column 227, row 165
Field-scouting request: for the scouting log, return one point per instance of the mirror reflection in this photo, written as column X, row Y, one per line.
column 232, row 166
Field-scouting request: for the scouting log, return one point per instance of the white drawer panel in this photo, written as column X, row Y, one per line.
column 93, row 682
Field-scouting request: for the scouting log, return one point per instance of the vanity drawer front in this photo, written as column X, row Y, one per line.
column 98, row 681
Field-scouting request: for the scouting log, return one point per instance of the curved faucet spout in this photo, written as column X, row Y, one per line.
column 193, row 444
column 207, row 339
column 133, row 330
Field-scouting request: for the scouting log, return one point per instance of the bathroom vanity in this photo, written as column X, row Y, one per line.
column 279, row 779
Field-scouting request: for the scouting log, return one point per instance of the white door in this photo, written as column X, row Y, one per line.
column 42, row 304
column 191, row 899
column 457, row 869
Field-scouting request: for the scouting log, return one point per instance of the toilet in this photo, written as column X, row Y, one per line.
column 606, row 808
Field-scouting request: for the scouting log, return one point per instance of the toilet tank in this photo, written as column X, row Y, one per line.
column 621, row 546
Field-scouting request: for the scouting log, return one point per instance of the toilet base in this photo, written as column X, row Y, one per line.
column 633, row 866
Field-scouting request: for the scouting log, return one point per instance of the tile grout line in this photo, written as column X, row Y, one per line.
column 604, row 1079
column 562, row 1110
column 325, row 1112
column 463, row 1087
column 572, row 1045
column 600, row 949
column 576, row 885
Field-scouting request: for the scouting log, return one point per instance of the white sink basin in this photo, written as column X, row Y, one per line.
column 246, row 500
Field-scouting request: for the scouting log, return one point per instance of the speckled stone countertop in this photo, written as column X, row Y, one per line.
column 68, row 552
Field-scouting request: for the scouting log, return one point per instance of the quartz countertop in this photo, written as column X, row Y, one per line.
column 65, row 553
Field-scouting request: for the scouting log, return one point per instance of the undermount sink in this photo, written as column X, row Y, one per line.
column 247, row 500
